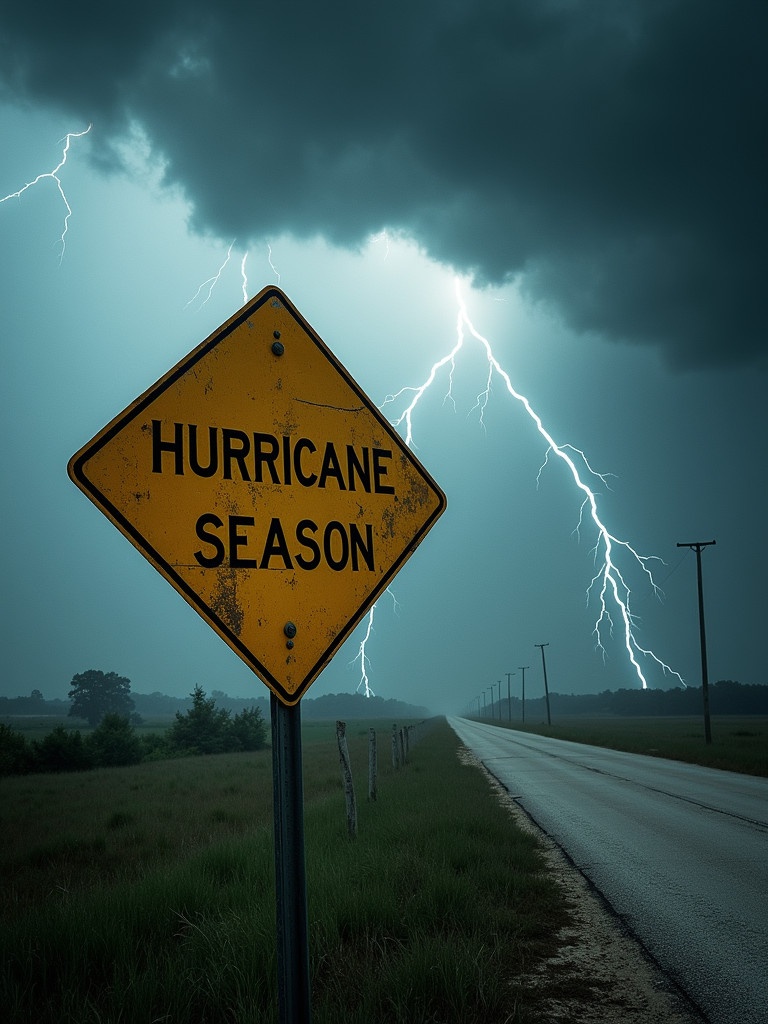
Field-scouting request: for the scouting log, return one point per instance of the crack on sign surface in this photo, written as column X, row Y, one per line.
column 325, row 405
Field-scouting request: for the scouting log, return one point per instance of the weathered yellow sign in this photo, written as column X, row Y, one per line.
column 264, row 485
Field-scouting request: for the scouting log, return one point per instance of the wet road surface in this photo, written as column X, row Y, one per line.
column 680, row 853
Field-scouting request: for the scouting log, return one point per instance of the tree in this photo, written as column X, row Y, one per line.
column 114, row 742
column 204, row 729
column 95, row 694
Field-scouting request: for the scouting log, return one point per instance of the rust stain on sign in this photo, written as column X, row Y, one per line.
column 265, row 486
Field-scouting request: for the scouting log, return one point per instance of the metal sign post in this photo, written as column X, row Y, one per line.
column 290, row 876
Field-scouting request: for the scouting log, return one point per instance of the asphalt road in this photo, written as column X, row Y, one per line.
column 679, row 852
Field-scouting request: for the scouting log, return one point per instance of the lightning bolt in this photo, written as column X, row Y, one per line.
column 244, row 276
column 54, row 176
column 362, row 651
column 275, row 271
column 609, row 583
column 214, row 280
column 362, row 656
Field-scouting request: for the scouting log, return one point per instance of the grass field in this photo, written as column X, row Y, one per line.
column 738, row 744
column 147, row 894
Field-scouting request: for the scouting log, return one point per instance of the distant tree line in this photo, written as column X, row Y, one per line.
column 328, row 707
column 333, row 706
column 726, row 697
column 34, row 704
column 202, row 729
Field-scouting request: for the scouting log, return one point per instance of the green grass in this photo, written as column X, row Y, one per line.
column 147, row 893
column 739, row 744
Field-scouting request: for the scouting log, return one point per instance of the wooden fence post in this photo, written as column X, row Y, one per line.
column 346, row 776
column 395, row 748
column 372, row 765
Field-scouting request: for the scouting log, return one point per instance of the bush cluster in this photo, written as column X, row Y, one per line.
column 204, row 729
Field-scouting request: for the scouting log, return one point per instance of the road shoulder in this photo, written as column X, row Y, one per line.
column 601, row 974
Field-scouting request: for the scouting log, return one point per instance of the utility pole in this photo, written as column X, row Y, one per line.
column 697, row 547
column 509, row 697
column 522, row 669
column 485, row 713
column 546, row 688
column 492, row 711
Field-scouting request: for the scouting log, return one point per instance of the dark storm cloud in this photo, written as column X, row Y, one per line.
column 610, row 154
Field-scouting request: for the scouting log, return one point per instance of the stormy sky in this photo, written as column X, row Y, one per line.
column 594, row 173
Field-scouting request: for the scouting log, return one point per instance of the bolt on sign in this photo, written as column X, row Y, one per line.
column 265, row 486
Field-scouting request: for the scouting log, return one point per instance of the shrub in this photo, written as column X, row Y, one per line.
column 61, row 751
column 155, row 746
column 249, row 730
column 114, row 742
column 15, row 752
column 204, row 729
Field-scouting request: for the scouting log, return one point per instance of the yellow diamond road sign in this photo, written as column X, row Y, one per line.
column 261, row 481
